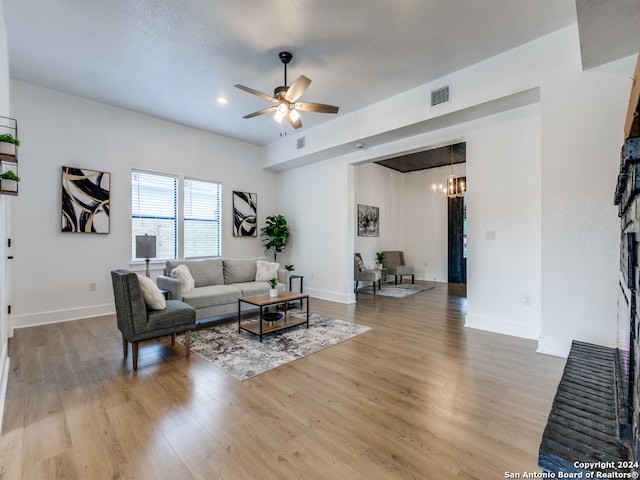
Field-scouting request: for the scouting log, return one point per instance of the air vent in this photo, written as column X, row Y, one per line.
column 440, row 95
column 300, row 143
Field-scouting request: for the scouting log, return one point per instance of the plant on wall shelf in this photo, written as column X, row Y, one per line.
column 9, row 175
column 289, row 268
column 275, row 234
column 8, row 138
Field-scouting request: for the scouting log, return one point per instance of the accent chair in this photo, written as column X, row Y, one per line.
column 137, row 322
column 363, row 274
column 394, row 263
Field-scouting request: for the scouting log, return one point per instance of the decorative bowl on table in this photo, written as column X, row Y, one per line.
column 271, row 316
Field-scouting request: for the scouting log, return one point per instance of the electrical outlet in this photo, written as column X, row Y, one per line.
column 490, row 235
column 92, row 286
column 312, row 274
column 526, row 300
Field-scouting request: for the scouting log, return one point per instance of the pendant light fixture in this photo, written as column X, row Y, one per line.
column 452, row 188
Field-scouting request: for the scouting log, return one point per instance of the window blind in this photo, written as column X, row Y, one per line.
column 202, row 232
column 154, row 211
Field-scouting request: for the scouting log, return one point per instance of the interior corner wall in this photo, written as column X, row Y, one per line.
column 51, row 270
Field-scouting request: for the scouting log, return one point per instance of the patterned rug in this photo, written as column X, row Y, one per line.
column 398, row 291
column 243, row 356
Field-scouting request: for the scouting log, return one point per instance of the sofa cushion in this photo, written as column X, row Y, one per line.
column 265, row 271
column 211, row 296
column 152, row 296
column 252, row 288
column 207, row 271
column 238, row 270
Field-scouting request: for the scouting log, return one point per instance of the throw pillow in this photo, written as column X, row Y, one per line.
column 152, row 296
column 182, row 273
column 360, row 263
column 265, row 271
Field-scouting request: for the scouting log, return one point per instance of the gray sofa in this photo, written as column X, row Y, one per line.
column 219, row 283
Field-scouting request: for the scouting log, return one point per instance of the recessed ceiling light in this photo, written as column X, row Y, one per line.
column 222, row 100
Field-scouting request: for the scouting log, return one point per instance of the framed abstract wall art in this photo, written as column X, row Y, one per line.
column 245, row 214
column 368, row 221
column 85, row 200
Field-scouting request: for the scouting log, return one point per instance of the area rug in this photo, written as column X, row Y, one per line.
column 243, row 356
column 398, row 291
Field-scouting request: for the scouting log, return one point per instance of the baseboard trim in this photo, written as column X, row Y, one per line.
column 504, row 327
column 331, row 296
column 558, row 347
column 4, row 379
column 45, row 318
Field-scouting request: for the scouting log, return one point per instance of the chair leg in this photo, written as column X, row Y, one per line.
column 413, row 279
column 173, row 339
column 134, row 351
column 374, row 287
column 187, row 342
column 396, row 280
column 125, row 347
column 356, row 289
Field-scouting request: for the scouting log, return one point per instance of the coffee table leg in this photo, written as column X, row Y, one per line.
column 307, row 311
column 239, row 302
column 260, row 320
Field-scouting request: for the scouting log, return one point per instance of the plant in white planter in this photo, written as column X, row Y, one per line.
column 273, row 290
column 8, row 144
column 9, row 182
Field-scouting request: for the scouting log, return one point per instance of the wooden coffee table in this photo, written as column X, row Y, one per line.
column 261, row 326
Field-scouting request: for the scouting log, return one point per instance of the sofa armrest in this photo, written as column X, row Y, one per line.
column 172, row 285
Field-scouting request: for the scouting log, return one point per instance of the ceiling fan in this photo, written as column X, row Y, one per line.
column 285, row 98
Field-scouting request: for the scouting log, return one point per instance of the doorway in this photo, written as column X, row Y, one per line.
column 457, row 244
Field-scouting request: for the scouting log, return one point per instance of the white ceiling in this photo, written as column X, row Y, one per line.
column 171, row 59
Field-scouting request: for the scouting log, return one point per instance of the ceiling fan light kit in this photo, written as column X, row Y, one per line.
column 285, row 98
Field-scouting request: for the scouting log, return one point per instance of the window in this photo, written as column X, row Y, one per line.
column 184, row 227
column 201, row 218
column 154, row 211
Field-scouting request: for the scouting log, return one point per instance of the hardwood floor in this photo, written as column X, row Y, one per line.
column 417, row 397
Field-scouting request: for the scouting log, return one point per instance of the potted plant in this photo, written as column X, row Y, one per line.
column 289, row 268
column 273, row 287
column 275, row 234
column 379, row 258
column 9, row 182
column 8, row 144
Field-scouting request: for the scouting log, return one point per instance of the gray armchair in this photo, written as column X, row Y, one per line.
column 394, row 263
column 362, row 274
column 137, row 323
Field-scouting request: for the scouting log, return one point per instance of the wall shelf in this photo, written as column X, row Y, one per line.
column 8, row 155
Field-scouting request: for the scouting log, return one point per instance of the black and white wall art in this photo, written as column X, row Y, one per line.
column 85, row 200
column 368, row 221
column 245, row 210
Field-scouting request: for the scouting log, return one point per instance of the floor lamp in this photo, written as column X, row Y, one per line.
column 146, row 248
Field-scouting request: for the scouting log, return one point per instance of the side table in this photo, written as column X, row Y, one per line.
column 299, row 277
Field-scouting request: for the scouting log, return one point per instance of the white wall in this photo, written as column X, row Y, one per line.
column 381, row 187
column 52, row 270
column 318, row 203
column 503, row 171
column 4, row 225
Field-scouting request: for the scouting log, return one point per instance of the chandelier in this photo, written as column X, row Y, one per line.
column 452, row 188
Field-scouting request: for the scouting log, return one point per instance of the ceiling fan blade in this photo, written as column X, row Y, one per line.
column 261, row 112
column 297, row 88
column 297, row 123
column 257, row 93
column 316, row 107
